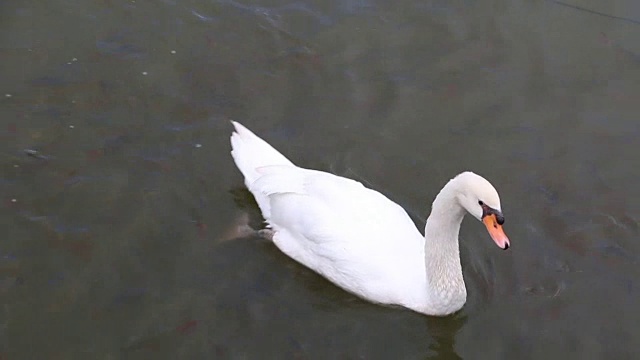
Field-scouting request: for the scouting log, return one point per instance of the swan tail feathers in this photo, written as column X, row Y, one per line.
column 250, row 152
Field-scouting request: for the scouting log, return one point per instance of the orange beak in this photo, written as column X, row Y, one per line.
column 495, row 230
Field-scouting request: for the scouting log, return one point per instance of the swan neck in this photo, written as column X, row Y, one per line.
column 446, row 289
column 443, row 224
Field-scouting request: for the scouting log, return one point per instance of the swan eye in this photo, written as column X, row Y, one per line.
column 480, row 203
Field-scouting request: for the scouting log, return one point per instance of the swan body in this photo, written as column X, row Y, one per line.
column 359, row 239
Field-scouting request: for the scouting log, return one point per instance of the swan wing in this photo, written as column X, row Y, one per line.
column 330, row 196
column 352, row 235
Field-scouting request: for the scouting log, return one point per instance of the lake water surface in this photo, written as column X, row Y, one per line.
column 123, row 213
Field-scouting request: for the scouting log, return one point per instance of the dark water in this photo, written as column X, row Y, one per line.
column 121, row 205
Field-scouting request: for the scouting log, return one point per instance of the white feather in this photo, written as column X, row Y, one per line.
column 356, row 237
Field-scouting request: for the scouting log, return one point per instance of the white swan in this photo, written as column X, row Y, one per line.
column 359, row 239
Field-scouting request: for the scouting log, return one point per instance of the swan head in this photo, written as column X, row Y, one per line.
column 481, row 200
